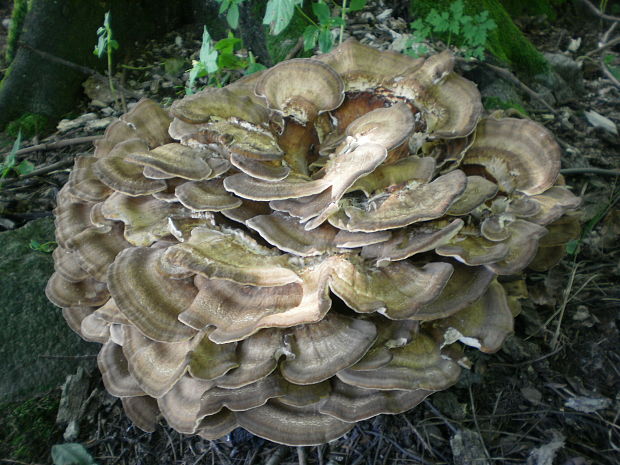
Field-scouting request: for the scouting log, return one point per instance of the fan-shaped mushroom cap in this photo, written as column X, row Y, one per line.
column 522, row 247
column 84, row 184
column 142, row 411
column 257, row 189
column 324, row 348
column 150, row 121
column 71, row 219
column 257, row 358
column 350, row 403
column 235, row 309
column 483, row 325
column 181, row 405
column 95, row 329
column 294, row 426
column 554, row 202
column 206, row 196
column 67, row 264
column 477, row 191
column 244, row 398
column 233, row 256
column 178, row 160
column 473, row 249
column 145, row 218
column 520, row 154
column 351, row 240
column 110, row 313
column 216, row 426
column 388, row 127
column 417, row 365
column 96, row 248
column 465, row 286
column 415, row 239
column 202, row 106
column 115, row 133
column 288, row 234
column 121, row 176
column 364, row 67
column 397, row 290
column 400, row 172
column 156, row 366
column 116, row 377
column 147, row 298
column 210, row 361
column 301, row 88
column 410, row 204
column 86, row 293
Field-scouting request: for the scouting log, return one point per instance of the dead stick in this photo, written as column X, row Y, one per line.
column 586, row 170
column 56, row 145
column 295, row 50
column 39, row 171
column 599, row 13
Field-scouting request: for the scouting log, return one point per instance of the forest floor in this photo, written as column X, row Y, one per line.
column 550, row 396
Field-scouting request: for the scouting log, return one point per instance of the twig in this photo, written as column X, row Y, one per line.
column 473, row 411
column 56, row 145
column 603, row 47
column 608, row 73
column 277, row 456
column 507, row 75
column 585, row 170
column 80, row 68
column 599, row 13
column 301, row 456
column 295, row 50
column 38, row 172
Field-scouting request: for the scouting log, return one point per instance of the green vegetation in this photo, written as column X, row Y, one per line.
column 45, row 247
column 106, row 46
column 467, row 33
column 9, row 164
column 506, row 42
column 71, row 453
column 27, row 428
column 29, row 125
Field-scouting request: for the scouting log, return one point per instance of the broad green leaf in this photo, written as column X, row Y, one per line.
column 279, row 13
column 357, row 5
column 232, row 17
column 71, row 454
column 224, row 5
column 311, row 35
column 322, row 12
column 326, row 42
column 254, row 68
column 208, row 56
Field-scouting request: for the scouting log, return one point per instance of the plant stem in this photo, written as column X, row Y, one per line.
column 308, row 18
column 343, row 16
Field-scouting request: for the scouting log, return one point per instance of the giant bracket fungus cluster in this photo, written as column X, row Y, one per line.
column 306, row 248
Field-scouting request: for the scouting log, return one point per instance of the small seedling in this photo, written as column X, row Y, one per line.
column 10, row 162
column 106, row 46
column 321, row 32
column 468, row 33
column 45, row 247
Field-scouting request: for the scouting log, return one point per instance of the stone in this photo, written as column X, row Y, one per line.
column 38, row 349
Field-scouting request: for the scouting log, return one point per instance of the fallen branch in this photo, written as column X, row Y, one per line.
column 56, row 145
column 599, row 13
column 39, row 171
column 585, row 170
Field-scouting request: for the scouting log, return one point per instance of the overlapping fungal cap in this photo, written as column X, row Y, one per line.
column 305, row 248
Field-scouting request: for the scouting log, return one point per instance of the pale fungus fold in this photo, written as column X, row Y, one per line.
column 306, row 248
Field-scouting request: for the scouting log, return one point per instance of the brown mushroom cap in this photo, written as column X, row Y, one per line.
column 477, row 191
column 115, row 373
column 84, row 184
column 206, row 196
column 388, row 127
column 301, row 88
column 181, row 405
column 520, row 154
column 142, row 411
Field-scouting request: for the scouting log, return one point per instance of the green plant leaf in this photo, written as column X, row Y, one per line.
column 311, row 35
column 24, row 167
column 279, row 13
column 326, row 41
column 71, row 454
column 357, row 5
column 572, row 246
column 232, row 17
column 322, row 12
column 207, row 55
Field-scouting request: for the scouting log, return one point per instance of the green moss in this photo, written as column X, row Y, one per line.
column 496, row 103
column 29, row 124
column 20, row 9
column 506, row 42
column 28, row 428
